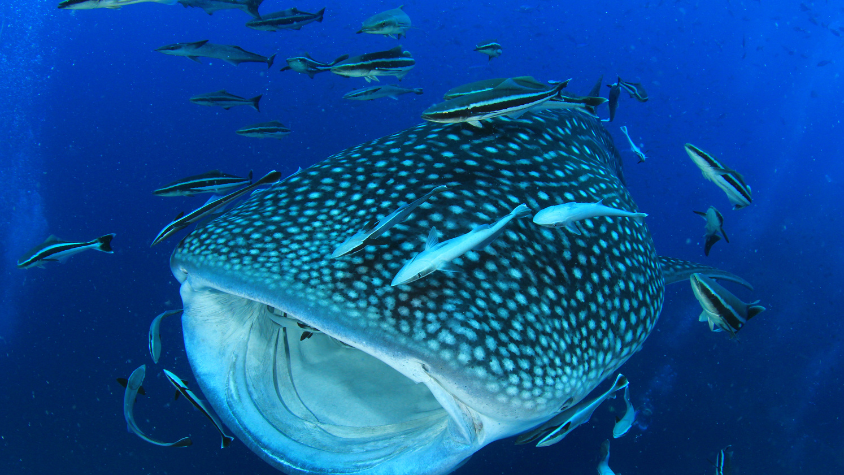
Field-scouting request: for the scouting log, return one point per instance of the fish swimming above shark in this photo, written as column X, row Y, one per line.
column 211, row 6
column 291, row 19
column 203, row 49
column 214, row 181
column 265, row 130
column 306, row 65
column 226, row 100
column 391, row 23
column 721, row 309
column 730, row 181
column 417, row 378
column 378, row 92
column 492, row 49
column 564, row 101
column 111, row 4
column 54, row 249
column 508, row 98
column 714, row 225
column 393, row 62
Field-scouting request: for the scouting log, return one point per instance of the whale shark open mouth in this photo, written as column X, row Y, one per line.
column 309, row 403
column 414, row 378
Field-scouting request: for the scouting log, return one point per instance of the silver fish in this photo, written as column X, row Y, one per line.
column 226, row 100
column 731, row 181
column 492, row 49
column 373, row 230
column 714, row 225
column 561, row 425
column 182, row 389
column 625, row 422
column 306, row 65
column 604, row 461
column 203, row 49
column 393, row 62
column 417, row 378
column 291, row 19
column 54, row 249
column 721, row 309
column 111, row 4
column 393, row 23
column 265, row 130
column 633, row 147
column 155, row 333
column 378, row 92
column 133, row 386
column 567, row 215
column 211, row 6
column 438, row 256
column 214, row 181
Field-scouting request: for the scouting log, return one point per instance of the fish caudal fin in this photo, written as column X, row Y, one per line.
column 710, row 241
column 255, row 100
column 252, row 8
column 105, row 243
column 753, row 310
column 640, row 217
column 417, row 91
column 320, row 14
column 270, row 61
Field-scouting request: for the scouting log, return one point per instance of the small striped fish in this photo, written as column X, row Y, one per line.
column 214, row 181
column 182, row 389
column 291, row 19
column 635, row 90
column 731, row 181
column 53, row 249
column 491, row 49
column 723, row 310
column 226, row 100
column 393, row 62
column 265, row 130
column 508, row 98
column 306, row 65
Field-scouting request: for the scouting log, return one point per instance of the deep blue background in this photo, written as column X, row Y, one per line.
column 94, row 119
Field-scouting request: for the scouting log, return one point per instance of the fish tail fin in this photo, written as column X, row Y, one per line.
column 417, row 91
column 710, row 241
column 105, row 243
column 521, row 211
column 227, row 440
column 255, row 100
column 252, row 8
column 753, row 310
column 270, row 61
column 320, row 14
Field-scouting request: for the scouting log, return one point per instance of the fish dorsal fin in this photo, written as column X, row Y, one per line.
column 396, row 50
column 198, row 43
column 529, row 81
column 179, row 216
column 51, row 238
column 221, row 91
column 509, row 83
column 754, row 310
column 432, row 239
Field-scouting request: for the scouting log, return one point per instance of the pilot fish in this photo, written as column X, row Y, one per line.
column 414, row 379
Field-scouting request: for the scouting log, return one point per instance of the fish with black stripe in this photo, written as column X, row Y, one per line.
column 731, row 181
column 214, row 181
column 392, row 62
column 290, row 19
column 54, row 249
column 305, row 64
column 721, row 309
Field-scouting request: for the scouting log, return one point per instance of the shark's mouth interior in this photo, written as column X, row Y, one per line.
column 308, row 403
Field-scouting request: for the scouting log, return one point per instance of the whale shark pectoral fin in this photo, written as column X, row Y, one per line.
column 678, row 270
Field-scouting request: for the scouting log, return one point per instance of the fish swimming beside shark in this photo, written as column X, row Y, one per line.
column 414, row 379
column 714, row 225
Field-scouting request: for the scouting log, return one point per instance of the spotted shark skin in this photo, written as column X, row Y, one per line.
column 532, row 324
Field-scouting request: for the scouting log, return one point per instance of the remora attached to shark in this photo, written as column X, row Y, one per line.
column 415, row 379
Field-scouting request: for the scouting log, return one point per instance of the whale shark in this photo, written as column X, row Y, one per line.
column 414, row 379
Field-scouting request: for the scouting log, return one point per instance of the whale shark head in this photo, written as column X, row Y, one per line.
column 320, row 366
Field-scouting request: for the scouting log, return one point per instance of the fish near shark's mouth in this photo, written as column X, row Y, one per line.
column 307, row 402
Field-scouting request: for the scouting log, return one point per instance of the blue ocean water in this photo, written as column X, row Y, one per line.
column 94, row 120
